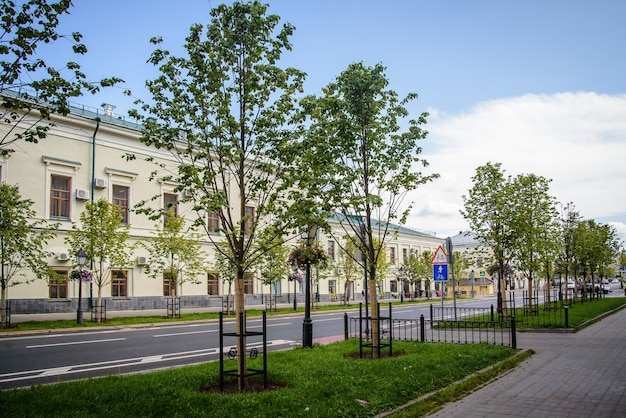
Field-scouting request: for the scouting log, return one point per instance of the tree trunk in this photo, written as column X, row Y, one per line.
column 371, row 288
column 98, row 304
column 241, row 326
column 3, row 305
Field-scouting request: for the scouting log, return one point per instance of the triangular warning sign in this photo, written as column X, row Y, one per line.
column 440, row 256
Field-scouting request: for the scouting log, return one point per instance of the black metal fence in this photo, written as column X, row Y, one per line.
column 442, row 326
column 99, row 313
column 173, row 308
column 228, row 304
column 242, row 337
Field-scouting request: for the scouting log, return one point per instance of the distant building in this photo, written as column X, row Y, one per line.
column 467, row 245
column 58, row 175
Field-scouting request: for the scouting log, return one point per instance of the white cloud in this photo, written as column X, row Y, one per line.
column 576, row 139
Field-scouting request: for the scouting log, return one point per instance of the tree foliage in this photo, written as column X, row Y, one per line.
column 359, row 162
column 22, row 241
column 30, row 88
column 487, row 209
column 348, row 267
column 595, row 247
column 273, row 265
column 101, row 234
column 534, row 225
column 176, row 252
column 225, row 112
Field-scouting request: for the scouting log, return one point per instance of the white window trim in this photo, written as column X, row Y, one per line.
column 60, row 167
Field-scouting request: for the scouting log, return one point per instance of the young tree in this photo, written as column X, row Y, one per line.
column 412, row 273
column 461, row 263
column 534, row 226
column 273, row 265
column 227, row 273
column 487, row 208
column 569, row 219
column 357, row 162
column 424, row 270
column 31, row 89
column 348, row 266
column 21, row 242
column 101, row 234
column 174, row 254
column 225, row 112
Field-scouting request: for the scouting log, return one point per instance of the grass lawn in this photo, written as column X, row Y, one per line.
column 580, row 313
column 324, row 381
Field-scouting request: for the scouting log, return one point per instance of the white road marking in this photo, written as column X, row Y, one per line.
column 75, row 343
column 117, row 364
column 176, row 334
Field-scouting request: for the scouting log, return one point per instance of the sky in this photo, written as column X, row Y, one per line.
column 536, row 85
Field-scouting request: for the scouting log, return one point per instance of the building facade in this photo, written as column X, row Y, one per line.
column 83, row 159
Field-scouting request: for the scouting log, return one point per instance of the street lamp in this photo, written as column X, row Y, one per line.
column 81, row 258
column 401, row 282
column 307, row 325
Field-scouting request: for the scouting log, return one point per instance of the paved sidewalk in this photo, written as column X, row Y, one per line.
column 571, row 375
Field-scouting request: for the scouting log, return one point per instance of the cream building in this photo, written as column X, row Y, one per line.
column 82, row 159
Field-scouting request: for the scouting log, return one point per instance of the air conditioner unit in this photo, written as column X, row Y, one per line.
column 142, row 261
column 63, row 256
column 82, row 194
column 100, row 183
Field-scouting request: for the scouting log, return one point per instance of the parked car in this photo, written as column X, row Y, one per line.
column 605, row 288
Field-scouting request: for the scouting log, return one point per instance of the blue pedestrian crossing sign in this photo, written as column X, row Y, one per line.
column 440, row 272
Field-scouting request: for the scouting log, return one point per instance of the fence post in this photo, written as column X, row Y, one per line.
column 345, row 325
column 242, row 356
column 422, row 325
column 513, row 333
column 492, row 319
column 566, row 316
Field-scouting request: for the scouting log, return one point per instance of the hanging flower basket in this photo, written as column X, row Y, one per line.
column 303, row 253
column 83, row 275
column 297, row 276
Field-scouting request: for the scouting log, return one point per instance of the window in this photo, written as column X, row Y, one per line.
column 58, row 286
column 277, row 288
column 120, row 199
column 213, row 282
column 60, row 196
column 392, row 255
column 332, row 286
column 331, row 250
column 394, row 286
column 405, row 254
column 119, row 284
column 248, row 284
column 249, row 217
column 213, row 223
column 168, row 288
column 169, row 202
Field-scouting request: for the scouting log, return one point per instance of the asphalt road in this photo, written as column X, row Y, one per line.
column 56, row 357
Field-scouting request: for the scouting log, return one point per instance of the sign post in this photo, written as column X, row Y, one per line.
column 440, row 271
